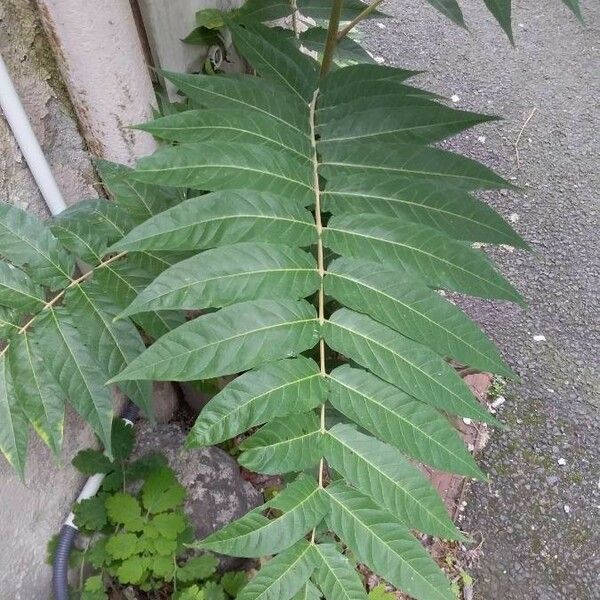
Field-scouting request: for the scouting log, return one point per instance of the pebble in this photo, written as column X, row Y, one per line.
column 499, row 401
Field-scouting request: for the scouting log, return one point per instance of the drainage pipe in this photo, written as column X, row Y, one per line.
column 21, row 128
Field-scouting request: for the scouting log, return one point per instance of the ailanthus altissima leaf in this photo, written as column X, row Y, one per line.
column 381, row 472
column 284, row 445
column 336, row 576
column 400, row 361
column 283, row 576
column 76, row 370
column 282, row 388
column 17, row 290
column 28, row 243
column 39, row 395
column 223, row 218
column 301, row 505
column 399, row 300
column 439, row 260
column 219, row 344
column 13, row 422
column 384, row 544
column 308, row 222
column 414, row 427
column 231, row 274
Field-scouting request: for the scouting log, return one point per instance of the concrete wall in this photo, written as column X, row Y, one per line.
column 98, row 56
column 30, row 514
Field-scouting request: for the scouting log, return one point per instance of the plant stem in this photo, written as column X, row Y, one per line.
column 363, row 15
column 332, row 35
column 61, row 294
column 320, row 260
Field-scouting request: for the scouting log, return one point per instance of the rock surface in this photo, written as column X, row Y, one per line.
column 217, row 494
column 164, row 401
column 533, row 548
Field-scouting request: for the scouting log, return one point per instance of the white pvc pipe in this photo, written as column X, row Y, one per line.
column 19, row 123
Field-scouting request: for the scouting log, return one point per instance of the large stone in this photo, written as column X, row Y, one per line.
column 216, row 492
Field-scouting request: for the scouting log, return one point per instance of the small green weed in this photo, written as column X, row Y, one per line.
column 140, row 538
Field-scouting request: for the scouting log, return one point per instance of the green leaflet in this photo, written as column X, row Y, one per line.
column 113, row 343
column 423, row 124
column 90, row 226
column 451, row 210
column 347, row 51
column 223, row 218
column 283, row 576
column 358, row 97
column 401, row 362
column 231, row 274
column 9, row 321
column 79, row 375
column 276, row 59
column 376, row 161
column 380, row 471
column 321, row 9
column 439, row 260
column 302, row 507
column 17, row 290
column 394, row 417
column 123, row 281
column 450, row 9
column 244, row 92
column 220, row 344
column 40, row 397
column 222, row 166
column 385, row 545
column 264, row 10
column 229, row 125
column 501, row 9
column 284, row 445
column 339, row 80
column 13, row 423
column 336, row 576
column 139, row 200
column 575, row 8
column 399, row 300
column 308, row 592
column 27, row 242
column 287, row 387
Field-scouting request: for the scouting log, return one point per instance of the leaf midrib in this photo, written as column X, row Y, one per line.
column 229, row 276
column 233, row 337
column 225, row 166
column 214, row 219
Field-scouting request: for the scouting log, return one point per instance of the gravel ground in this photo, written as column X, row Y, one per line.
column 538, row 518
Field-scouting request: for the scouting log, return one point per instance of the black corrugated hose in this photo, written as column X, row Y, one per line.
column 66, row 537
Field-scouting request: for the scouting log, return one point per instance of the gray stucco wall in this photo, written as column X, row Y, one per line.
column 30, row 514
